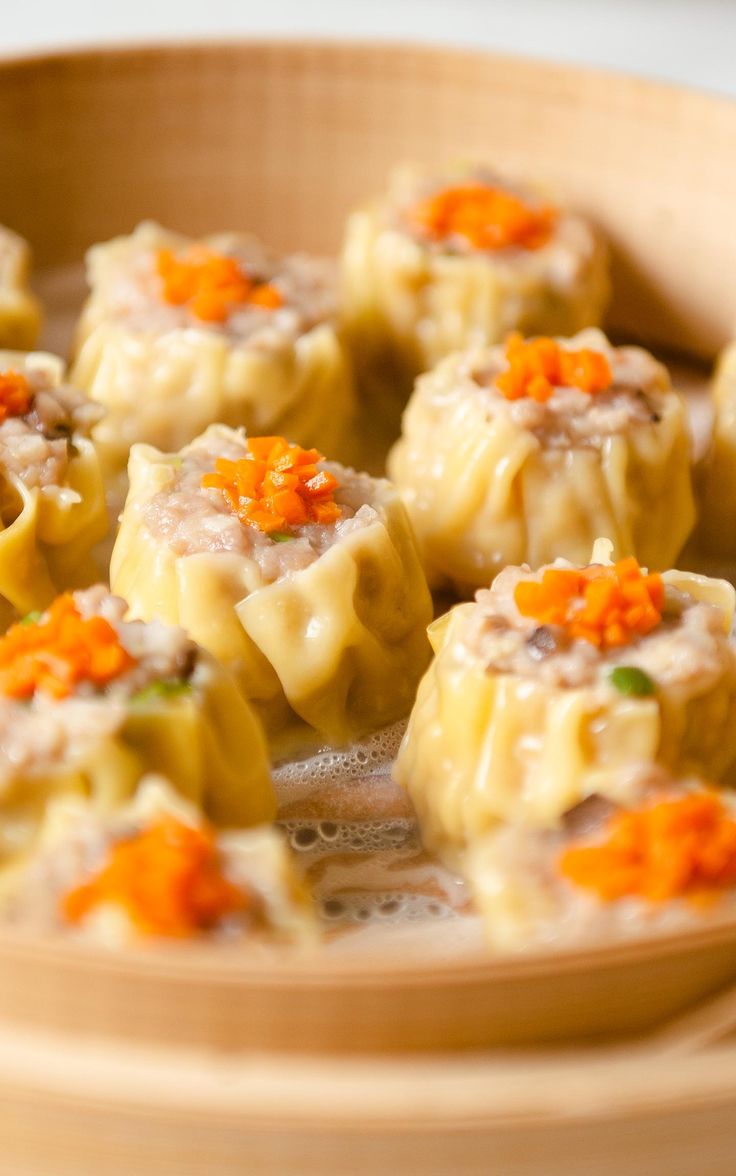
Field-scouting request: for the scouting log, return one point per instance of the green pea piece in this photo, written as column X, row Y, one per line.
column 31, row 618
column 160, row 690
column 632, row 681
column 280, row 537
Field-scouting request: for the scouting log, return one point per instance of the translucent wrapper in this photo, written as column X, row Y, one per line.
column 207, row 742
column 47, row 532
column 716, row 529
column 75, row 838
column 337, row 646
column 20, row 313
column 407, row 304
column 484, row 747
column 163, row 386
column 484, row 491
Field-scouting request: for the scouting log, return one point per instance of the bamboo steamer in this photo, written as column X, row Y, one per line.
column 196, row 1061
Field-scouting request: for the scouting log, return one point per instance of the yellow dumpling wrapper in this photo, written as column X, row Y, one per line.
column 407, row 304
column 47, row 532
column 485, row 486
column 337, row 646
column 485, row 746
column 207, row 741
column 20, row 313
column 163, row 382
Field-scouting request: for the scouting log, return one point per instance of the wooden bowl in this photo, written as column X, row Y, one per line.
column 144, row 1062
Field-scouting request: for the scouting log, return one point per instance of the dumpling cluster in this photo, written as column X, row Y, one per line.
column 570, row 722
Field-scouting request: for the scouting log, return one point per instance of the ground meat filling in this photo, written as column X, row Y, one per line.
column 192, row 520
column 45, row 733
column 688, row 645
column 36, row 448
column 132, row 295
column 571, row 417
column 562, row 259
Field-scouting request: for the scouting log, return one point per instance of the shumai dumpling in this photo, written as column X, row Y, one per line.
column 610, row 871
column 444, row 263
column 301, row 573
column 89, row 703
column 560, row 684
column 526, row 453
column 716, row 531
column 20, row 315
column 155, row 868
column 52, row 496
column 177, row 335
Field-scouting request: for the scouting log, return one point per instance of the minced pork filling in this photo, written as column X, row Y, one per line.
column 570, row 417
column 193, row 520
column 306, row 285
column 688, row 646
column 37, row 446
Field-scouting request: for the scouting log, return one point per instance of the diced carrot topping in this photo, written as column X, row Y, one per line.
column 15, row 395
column 211, row 285
column 537, row 366
column 487, row 217
column 59, row 651
column 276, row 486
column 594, row 604
column 666, row 850
column 167, row 878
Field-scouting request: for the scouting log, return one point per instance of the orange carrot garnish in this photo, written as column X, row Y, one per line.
column 605, row 605
column 487, row 217
column 15, row 395
column 537, row 366
column 668, row 849
column 276, row 486
column 167, row 878
column 60, row 650
column 211, row 285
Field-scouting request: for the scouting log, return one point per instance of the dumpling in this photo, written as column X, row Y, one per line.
column 155, row 868
column 447, row 262
column 300, row 573
column 20, row 314
column 557, row 685
column 52, row 496
column 177, row 335
column 89, row 703
column 525, row 453
column 716, row 531
column 665, row 862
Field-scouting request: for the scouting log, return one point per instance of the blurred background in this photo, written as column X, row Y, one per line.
column 691, row 41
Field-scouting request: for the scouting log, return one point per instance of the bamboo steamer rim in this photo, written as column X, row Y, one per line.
column 400, row 976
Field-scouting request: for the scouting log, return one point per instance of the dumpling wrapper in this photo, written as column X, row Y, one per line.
column 337, row 647
column 46, row 546
column 407, row 305
column 484, row 492
column 484, row 747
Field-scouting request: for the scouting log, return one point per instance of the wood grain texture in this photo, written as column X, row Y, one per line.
column 285, row 137
column 192, row 1062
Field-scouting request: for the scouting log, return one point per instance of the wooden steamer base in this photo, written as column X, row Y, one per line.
column 192, row 1062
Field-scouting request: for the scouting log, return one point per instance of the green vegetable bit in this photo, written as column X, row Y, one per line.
column 280, row 537
column 31, row 618
column 633, row 681
column 160, row 691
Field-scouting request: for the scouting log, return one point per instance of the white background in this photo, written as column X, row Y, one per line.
column 691, row 41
